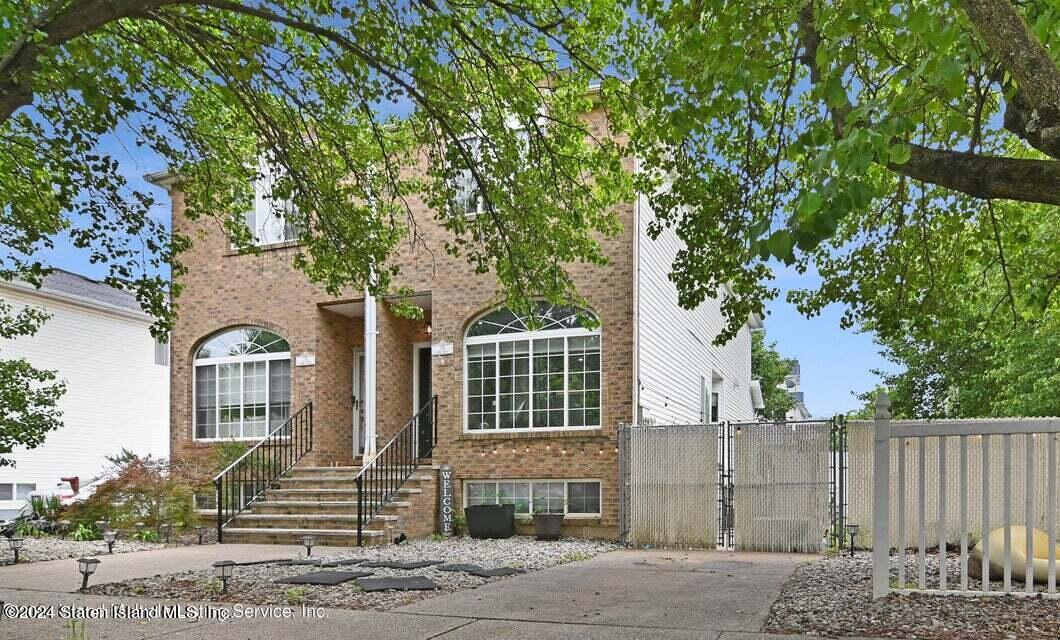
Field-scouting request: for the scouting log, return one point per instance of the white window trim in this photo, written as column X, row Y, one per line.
column 257, row 357
column 529, row 516
column 535, row 335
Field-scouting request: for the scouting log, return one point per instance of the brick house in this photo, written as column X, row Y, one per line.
column 523, row 417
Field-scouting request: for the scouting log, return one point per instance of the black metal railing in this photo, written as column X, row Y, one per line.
column 246, row 479
column 378, row 482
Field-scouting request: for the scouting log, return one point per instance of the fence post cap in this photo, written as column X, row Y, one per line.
column 883, row 405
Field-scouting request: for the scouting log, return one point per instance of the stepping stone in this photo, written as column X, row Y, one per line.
column 393, row 564
column 459, row 567
column 325, row 577
column 251, row 563
column 341, row 563
column 300, row 563
column 412, row 583
column 499, row 571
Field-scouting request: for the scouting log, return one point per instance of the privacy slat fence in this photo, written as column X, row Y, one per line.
column 782, row 486
column 670, row 476
column 950, row 483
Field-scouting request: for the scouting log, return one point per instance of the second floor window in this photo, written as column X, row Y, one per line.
column 270, row 219
column 467, row 200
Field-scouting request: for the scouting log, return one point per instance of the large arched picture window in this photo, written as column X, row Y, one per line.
column 522, row 379
column 242, row 384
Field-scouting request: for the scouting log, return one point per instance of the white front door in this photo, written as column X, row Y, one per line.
column 358, row 402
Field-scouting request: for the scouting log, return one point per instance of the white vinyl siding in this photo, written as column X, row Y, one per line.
column 116, row 396
column 674, row 346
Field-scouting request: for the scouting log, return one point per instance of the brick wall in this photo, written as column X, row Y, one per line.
column 224, row 289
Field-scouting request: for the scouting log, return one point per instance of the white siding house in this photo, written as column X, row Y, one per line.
column 117, row 382
column 681, row 376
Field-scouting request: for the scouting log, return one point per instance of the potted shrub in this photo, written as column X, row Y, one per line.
column 548, row 526
column 490, row 520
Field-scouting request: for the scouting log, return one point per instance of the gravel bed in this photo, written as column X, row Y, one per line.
column 50, row 548
column 834, row 597
column 256, row 584
column 55, row 548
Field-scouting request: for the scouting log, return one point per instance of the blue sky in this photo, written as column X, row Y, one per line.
column 834, row 362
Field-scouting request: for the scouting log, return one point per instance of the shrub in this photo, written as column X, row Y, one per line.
column 139, row 489
column 147, row 535
column 296, row 596
column 83, row 533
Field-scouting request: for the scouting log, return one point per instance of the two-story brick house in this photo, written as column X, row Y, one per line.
column 528, row 417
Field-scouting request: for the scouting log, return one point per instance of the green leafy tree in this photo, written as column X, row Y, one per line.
column 985, row 335
column 28, row 396
column 854, row 138
column 770, row 369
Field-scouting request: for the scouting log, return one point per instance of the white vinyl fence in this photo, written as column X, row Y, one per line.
column 955, row 481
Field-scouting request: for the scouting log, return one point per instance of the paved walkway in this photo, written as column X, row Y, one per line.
column 656, row 595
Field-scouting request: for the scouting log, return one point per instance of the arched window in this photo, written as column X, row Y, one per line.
column 523, row 379
column 242, row 384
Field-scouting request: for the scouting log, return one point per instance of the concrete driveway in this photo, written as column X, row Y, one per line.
column 628, row 594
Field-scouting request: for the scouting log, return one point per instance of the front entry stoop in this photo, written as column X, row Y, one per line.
column 322, row 502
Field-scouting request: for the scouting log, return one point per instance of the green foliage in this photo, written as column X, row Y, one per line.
column 437, row 537
column 139, row 489
column 147, row 535
column 984, row 339
column 212, row 587
column 459, row 524
column 575, row 556
column 26, row 528
column 28, row 396
column 84, row 532
column 770, row 369
column 295, row 596
column 46, row 507
column 78, row 629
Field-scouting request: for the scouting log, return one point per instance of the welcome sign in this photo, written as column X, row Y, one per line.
column 445, row 499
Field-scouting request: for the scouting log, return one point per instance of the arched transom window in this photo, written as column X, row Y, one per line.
column 242, row 384
column 523, row 379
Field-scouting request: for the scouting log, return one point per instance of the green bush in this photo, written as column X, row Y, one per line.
column 84, row 533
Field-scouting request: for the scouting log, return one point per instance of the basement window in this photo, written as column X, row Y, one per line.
column 575, row 498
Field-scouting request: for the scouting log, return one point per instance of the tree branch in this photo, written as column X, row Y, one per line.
column 1034, row 112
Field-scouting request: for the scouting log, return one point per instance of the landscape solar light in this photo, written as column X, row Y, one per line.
column 64, row 528
column 101, row 524
column 15, row 543
column 853, row 530
column 307, row 542
column 109, row 537
column 139, row 527
column 87, row 566
column 223, row 569
column 201, row 530
column 167, row 530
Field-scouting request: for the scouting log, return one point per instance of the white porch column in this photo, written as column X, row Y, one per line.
column 370, row 332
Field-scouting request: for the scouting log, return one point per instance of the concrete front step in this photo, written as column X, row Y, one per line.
column 328, row 537
column 315, row 521
column 317, row 506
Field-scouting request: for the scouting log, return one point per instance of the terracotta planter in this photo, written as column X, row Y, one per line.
column 548, row 526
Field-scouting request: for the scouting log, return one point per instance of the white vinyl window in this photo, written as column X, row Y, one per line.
column 270, row 219
column 242, row 385
column 467, row 199
column 521, row 379
column 570, row 497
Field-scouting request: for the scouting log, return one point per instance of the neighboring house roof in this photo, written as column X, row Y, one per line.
column 79, row 289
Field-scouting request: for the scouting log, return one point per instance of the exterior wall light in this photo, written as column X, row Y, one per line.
column 852, row 529
column 87, row 566
column 223, row 569
column 307, row 542
column 109, row 537
column 15, row 543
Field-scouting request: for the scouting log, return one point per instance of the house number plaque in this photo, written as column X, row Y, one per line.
column 446, row 507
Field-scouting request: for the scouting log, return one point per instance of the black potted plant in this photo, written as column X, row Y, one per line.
column 490, row 520
column 548, row 526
